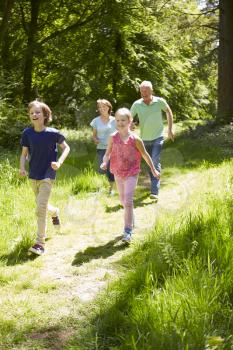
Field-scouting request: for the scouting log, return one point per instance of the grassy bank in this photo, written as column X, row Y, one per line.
column 174, row 289
column 178, row 291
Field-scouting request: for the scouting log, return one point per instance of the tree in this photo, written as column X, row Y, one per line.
column 70, row 53
column 225, row 66
column 32, row 25
column 4, row 35
column 29, row 54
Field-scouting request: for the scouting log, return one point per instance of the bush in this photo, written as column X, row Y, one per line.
column 12, row 122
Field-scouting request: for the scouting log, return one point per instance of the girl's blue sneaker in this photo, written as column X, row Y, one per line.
column 127, row 235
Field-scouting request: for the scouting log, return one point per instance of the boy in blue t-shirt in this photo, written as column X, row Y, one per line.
column 39, row 144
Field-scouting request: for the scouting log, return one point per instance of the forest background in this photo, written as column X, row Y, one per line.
column 71, row 53
column 172, row 287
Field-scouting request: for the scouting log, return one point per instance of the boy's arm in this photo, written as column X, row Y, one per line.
column 107, row 154
column 23, row 157
column 65, row 151
column 140, row 146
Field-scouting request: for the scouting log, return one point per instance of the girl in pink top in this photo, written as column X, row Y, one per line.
column 125, row 151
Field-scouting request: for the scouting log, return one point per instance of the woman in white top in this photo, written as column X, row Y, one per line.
column 103, row 125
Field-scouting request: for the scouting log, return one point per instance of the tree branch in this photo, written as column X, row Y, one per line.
column 72, row 27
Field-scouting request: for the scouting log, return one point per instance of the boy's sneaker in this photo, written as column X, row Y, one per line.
column 56, row 222
column 155, row 197
column 36, row 249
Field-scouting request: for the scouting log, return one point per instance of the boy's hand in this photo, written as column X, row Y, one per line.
column 55, row 165
column 22, row 172
column 103, row 166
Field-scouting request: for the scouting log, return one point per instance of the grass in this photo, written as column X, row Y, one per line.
column 178, row 291
column 172, row 288
column 89, row 181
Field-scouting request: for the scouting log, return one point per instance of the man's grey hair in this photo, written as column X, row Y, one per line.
column 146, row 83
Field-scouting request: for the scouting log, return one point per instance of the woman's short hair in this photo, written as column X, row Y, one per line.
column 106, row 103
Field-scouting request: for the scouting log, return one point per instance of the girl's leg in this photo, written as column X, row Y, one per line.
column 120, row 188
column 129, row 188
column 111, row 179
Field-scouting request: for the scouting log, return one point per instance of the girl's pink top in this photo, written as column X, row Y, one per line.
column 125, row 159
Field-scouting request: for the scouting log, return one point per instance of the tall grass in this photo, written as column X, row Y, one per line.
column 89, row 181
column 14, row 229
column 178, row 293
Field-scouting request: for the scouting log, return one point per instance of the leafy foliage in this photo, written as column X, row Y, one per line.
column 80, row 51
column 12, row 122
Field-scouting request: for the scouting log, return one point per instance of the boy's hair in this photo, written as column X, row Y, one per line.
column 125, row 112
column 45, row 109
column 106, row 103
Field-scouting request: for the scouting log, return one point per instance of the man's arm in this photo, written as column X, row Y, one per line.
column 169, row 115
column 135, row 121
column 65, row 151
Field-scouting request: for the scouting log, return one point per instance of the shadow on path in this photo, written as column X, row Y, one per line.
column 102, row 251
column 18, row 256
column 138, row 202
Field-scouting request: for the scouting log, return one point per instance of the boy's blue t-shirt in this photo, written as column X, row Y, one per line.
column 42, row 151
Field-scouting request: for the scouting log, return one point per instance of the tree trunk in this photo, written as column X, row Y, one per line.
column 28, row 64
column 116, row 65
column 5, row 19
column 225, row 69
column 4, row 37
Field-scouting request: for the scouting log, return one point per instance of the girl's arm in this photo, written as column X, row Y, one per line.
column 107, row 154
column 23, row 157
column 94, row 137
column 65, row 151
column 140, row 146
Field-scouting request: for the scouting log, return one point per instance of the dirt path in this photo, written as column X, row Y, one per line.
column 82, row 258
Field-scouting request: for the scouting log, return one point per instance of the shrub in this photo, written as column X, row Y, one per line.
column 12, row 121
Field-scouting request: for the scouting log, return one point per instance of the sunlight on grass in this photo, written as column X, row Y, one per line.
column 89, row 181
column 178, row 291
column 174, row 289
